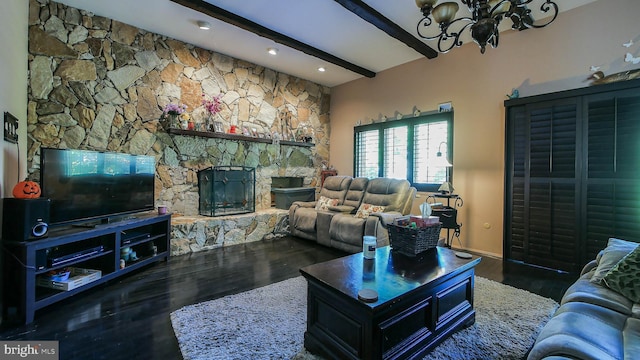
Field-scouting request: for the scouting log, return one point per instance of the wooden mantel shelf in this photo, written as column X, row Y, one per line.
column 219, row 135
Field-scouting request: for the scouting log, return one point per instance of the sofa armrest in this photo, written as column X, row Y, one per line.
column 386, row 218
column 589, row 266
column 307, row 204
column 342, row 209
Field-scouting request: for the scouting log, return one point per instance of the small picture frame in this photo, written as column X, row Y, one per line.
column 217, row 126
column 10, row 128
column 444, row 107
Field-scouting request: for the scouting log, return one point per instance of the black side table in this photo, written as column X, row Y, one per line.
column 448, row 215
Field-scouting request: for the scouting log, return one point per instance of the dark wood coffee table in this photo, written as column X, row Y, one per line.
column 420, row 302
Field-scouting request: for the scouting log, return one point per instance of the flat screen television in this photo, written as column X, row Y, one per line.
column 86, row 185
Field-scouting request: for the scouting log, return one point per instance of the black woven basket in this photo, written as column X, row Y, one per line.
column 412, row 241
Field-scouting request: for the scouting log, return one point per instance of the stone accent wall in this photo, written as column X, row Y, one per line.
column 96, row 83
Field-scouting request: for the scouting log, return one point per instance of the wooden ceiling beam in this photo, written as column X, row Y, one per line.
column 246, row 24
column 375, row 18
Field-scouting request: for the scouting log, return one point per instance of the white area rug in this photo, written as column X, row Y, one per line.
column 269, row 323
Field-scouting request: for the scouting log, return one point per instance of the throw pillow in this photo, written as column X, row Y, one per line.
column 624, row 278
column 614, row 252
column 324, row 203
column 366, row 209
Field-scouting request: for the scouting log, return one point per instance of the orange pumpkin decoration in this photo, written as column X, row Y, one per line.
column 26, row 190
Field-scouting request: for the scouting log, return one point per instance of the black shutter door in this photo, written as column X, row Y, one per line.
column 553, row 216
column 572, row 174
column 516, row 159
column 612, row 195
column 542, row 222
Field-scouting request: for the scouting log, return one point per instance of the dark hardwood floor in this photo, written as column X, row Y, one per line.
column 129, row 317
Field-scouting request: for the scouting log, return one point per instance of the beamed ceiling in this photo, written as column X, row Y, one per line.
column 349, row 38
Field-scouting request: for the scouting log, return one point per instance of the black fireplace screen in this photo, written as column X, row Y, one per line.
column 226, row 190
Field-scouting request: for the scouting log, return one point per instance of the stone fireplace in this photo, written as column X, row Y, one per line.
column 226, row 190
column 105, row 87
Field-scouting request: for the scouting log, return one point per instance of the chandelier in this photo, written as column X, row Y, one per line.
column 486, row 16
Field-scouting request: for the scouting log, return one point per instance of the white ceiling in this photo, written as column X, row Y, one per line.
column 323, row 24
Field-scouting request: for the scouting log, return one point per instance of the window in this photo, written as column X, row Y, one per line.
column 367, row 160
column 395, row 152
column 406, row 149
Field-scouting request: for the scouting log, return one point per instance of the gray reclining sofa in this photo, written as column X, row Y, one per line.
column 593, row 320
column 338, row 226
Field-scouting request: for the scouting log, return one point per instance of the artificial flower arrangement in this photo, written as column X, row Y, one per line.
column 213, row 106
column 171, row 114
column 174, row 109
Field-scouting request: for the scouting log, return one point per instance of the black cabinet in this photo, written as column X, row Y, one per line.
column 571, row 167
column 95, row 255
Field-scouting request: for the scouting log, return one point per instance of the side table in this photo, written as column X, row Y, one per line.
column 448, row 215
column 325, row 174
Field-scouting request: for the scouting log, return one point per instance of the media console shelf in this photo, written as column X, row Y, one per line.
column 97, row 250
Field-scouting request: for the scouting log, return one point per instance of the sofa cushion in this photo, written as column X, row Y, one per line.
column 305, row 219
column 366, row 209
column 356, row 192
column 585, row 291
column 347, row 229
column 324, row 203
column 631, row 339
column 335, row 187
column 390, row 193
column 624, row 278
column 581, row 331
column 614, row 252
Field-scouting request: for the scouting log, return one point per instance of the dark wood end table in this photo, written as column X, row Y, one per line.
column 421, row 301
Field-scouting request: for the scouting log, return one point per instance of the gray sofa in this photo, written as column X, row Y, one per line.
column 593, row 321
column 338, row 226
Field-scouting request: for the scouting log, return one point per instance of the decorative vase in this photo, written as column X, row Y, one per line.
column 174, row 121
column 210, row 121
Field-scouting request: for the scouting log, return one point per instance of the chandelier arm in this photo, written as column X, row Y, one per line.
column 426, row 21
column 494, row 39
column 423, row 23
column 448, row 47
column 444, row 36
column 545, row 7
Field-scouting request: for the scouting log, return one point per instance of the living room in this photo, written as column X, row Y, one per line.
column 555, row 58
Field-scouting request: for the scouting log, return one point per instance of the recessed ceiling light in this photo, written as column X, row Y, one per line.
column 204, row 25
column 272, row 51
column 322, row 69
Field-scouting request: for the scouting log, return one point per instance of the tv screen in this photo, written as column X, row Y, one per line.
column 84, row 184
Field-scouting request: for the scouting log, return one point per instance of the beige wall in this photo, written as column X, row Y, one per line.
column 13, row 95
column 13, row 88
column 554, row 58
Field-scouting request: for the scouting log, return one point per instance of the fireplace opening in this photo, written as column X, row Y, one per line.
column 226, row 190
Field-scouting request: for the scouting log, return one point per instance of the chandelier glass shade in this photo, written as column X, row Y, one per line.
column 483, row 23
